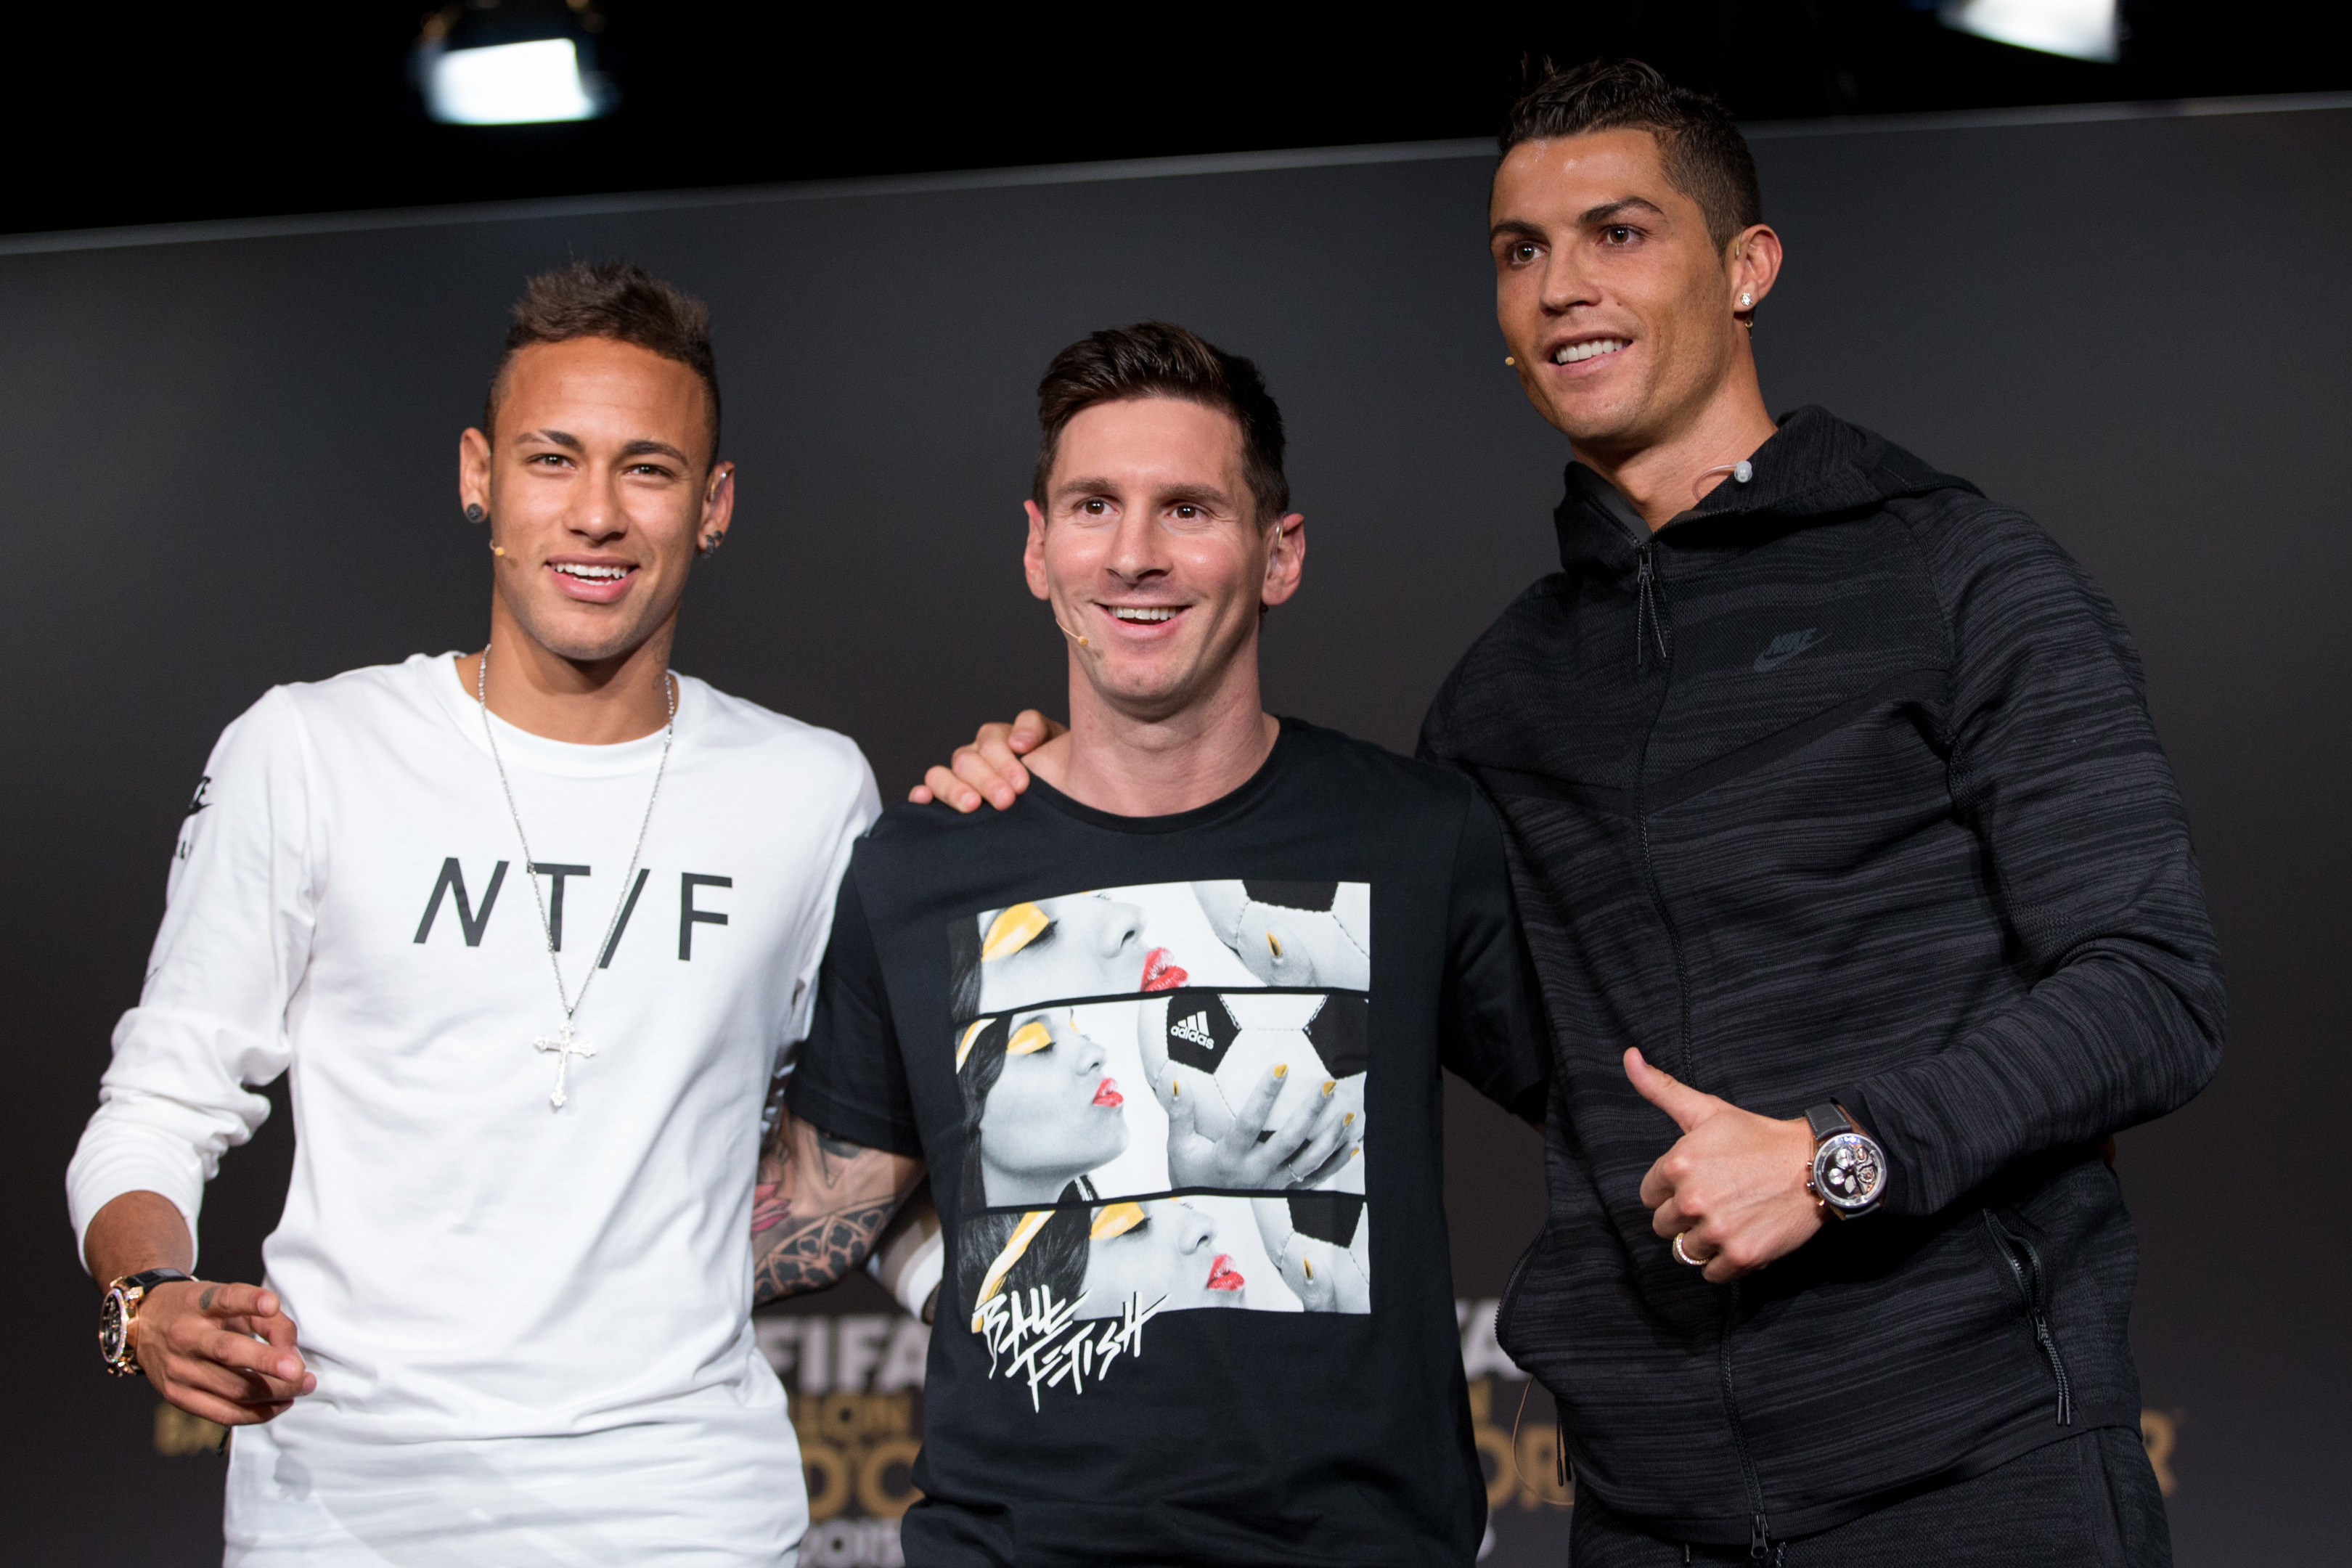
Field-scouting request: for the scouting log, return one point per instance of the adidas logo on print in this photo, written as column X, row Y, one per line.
column 1196, row 1030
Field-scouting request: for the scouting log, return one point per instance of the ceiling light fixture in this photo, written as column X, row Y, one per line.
column 2080, row 29
column 520, row 62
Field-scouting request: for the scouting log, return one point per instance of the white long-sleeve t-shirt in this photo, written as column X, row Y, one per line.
column 530, row 1325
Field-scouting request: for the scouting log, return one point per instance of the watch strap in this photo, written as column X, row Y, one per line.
column 148, row 1278
column 1827, row 1120
column 120, row 1311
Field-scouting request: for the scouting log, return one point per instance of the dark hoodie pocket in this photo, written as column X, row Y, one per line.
column 2024, row 1260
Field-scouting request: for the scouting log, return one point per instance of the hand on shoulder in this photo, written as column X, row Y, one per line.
column 990, row 767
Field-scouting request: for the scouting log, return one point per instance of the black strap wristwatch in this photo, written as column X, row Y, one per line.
column 120, row 1310
column 1848, row 1175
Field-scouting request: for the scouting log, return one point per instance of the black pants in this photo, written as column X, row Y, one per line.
column 2089, row 1501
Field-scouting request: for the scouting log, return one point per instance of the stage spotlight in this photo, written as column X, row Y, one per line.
column 2081, row 29
column 516, row 63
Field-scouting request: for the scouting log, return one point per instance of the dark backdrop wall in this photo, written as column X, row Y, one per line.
column 235, row 462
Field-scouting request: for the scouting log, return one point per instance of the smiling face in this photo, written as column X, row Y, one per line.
column 1160, row 1251
column 1149, row 548
column 598, row 488
column 1622, row 312
column 1052, row 1116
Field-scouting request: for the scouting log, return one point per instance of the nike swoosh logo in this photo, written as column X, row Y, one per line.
column 1786, row 648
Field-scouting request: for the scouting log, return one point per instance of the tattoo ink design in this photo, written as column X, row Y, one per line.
column 819, row 1204
column 798, row 1255
column 204, row 1301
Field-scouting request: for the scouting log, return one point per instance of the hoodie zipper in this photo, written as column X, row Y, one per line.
column 2034, row 1287
column 1648, row 619
column 1760, row 1528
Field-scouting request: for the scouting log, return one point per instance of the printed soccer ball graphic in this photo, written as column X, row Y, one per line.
column 1322, row 1244
column 1295, row 934
column 1214, row 1048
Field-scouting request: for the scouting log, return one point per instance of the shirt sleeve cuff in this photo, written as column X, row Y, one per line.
column 99, row 1175
column 823, row 1112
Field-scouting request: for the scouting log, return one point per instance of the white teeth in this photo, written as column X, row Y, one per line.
column 1572, row 353
column 594, row 573
column 1139, row 612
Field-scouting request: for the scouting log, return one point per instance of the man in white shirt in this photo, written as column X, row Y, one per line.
column 529, row 928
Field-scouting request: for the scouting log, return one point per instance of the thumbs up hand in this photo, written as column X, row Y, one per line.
column 1733, row 1186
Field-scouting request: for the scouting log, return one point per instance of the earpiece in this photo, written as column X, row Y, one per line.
column 1071, row 635
column 1741, row 472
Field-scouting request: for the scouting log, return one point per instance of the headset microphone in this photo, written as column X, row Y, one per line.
column 1069, row 633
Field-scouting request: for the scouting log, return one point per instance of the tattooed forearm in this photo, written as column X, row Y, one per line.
column 819, row 1204
column 798, row 1256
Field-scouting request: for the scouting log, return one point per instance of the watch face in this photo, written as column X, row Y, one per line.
column 111, row 1326
column 1848, row 1171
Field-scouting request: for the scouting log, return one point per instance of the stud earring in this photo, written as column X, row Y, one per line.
column 474, row 512
column 710, row 545
column 1509, row 359
column 1747, row 300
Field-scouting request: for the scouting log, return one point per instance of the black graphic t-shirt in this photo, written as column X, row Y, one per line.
column 1176, row 1081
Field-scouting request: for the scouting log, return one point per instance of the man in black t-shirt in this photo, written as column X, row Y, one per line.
column 1830, row 787
column 1139, row 1031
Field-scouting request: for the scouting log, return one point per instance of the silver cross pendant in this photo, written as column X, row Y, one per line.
column 563, row 1047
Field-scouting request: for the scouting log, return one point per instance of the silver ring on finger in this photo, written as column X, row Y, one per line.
column 1682, row 1256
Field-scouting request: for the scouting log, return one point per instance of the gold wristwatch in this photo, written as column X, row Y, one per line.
column 120, row 1310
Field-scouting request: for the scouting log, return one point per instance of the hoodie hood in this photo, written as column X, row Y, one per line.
column 1816, row 467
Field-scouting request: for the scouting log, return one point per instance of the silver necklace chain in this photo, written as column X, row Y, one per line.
column 563, row 1046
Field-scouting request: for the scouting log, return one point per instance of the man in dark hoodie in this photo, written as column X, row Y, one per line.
column 1833, row 804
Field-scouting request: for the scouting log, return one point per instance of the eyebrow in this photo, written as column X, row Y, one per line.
column 1520, row 227
column 1178, row 495
column 1608, row 210
column 636, row 448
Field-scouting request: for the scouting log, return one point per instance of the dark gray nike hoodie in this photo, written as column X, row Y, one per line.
column 1839, row 786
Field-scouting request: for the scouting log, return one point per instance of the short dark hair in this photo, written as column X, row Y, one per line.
column 1160, row 358
column 1704, row 154
column 616, row 299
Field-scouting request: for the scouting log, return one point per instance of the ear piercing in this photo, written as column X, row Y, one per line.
column 1509, row 359
column 474, row 512
column 710, row 543
column 1745, row 300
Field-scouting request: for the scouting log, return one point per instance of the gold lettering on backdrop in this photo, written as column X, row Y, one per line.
column 2160, row 1429
column 1527, row 1469
column 857, row 1446
column 177, row 1432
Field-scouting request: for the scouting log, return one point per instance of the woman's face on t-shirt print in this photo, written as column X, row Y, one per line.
column 1091, row 946
column 1053, row 1114
column 1162, row 1253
